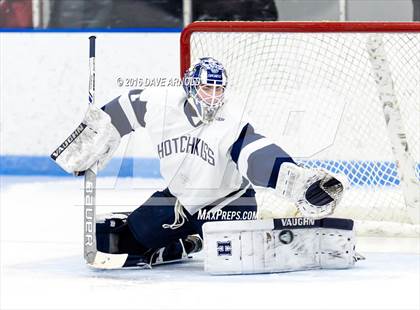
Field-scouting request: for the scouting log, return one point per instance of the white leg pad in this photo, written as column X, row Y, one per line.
column 264, row 246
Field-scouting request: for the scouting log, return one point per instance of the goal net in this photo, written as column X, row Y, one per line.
column 332, row 99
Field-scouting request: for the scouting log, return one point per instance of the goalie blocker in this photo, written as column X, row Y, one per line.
column 276, row 245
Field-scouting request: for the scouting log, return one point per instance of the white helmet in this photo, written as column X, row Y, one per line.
column 204, row 83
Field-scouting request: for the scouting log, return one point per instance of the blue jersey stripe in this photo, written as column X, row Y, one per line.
column 118, row 117
column 264, row 165
column 139, row 107
column 246, row 137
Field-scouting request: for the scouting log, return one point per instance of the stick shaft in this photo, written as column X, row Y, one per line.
column 89, row 225
column 93, row 257
column 92, row 52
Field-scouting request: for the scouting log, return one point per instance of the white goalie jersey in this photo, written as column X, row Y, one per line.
column 200, row 163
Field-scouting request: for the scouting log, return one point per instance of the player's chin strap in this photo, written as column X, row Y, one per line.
column 180, row 217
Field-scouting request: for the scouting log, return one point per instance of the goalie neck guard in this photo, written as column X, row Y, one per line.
column 204, row 83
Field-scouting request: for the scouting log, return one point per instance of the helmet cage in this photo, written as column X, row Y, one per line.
column 205, row 84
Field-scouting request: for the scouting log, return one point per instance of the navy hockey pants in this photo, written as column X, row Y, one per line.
column 146, row 221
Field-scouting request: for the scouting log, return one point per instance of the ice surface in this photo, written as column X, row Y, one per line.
column 42, row 265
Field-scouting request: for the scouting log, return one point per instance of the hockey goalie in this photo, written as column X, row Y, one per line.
column 211, row 161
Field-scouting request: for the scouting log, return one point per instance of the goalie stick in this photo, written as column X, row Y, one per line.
column 90, row 176
column 93, row 257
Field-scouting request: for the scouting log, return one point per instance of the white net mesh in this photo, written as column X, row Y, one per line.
column 314, row 95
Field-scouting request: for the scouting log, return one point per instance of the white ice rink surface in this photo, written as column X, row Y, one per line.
column 42, row 265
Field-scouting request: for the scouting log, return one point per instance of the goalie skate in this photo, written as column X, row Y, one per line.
column 114, row 237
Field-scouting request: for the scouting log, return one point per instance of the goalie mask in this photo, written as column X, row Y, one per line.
column 205, row 84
